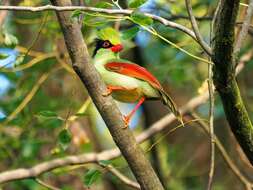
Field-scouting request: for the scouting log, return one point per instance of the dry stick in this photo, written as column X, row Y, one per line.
column 210, row 89
column 86, row 71
column 101, row 10
column 157, row 127
column 245, row 28
column 224, row 154
column 122, row 177
column 195, row 28
column 211, row 126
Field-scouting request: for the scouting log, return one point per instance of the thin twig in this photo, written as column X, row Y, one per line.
column 44, row 21
column 101, row 10
column 195, row 28
column 31, row 63
column 122, row 177
column 44, row 184
column 224, row 153
column 211, row 125
column 245, row 28
column 211, row 109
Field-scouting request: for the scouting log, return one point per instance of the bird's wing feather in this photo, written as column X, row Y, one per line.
column 136, row 71
column 133, row 70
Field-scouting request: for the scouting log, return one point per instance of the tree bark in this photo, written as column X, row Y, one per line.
column 224, row 76
column 123, row 138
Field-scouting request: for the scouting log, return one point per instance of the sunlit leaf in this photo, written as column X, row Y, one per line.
column 141, row 19
column 91, row 177
column 76, row 13
column 19, row 60
column 130, row 33
column 136, row 3
column 10, row 40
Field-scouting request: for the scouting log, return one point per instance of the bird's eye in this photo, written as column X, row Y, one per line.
column 106, row 44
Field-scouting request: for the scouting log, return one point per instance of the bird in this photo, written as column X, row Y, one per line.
column 126, row 81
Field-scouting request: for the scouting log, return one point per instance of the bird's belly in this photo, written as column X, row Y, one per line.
column 133, row 88
column 128, row 96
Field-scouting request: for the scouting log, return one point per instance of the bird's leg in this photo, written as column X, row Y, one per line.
column 110, row 89
column 127, row 118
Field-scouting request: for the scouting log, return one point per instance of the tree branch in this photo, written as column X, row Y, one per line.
column 195, row 28
column 124, row 139
column 245, row 27
column 224, row 76
column 101, row 10
column 122, row 177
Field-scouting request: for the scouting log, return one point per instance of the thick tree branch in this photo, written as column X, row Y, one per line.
column 101, row 10
column 224, row 76
column 124, row 139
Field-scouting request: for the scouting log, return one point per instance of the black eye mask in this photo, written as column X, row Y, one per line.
column 101, row 44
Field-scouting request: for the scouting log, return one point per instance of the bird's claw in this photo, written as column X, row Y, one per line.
column 126, row 121
column 107, row 93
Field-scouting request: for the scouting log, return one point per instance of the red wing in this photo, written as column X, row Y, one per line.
column 133, row 70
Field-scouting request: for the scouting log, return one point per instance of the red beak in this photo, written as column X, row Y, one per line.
column 117, row 48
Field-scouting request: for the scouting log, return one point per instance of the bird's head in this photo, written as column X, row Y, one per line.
column 108, row 39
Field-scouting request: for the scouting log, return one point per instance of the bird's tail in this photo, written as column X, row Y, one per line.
column 167, row 100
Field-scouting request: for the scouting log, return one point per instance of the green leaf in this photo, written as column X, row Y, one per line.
column 105, row 162
column 104, row 5
column 94, row 21
column 47, row 113
column 3, row 56
column 91, row 177
column 141, row 19
column 19, row 60
column 136, row 3
column 10, row 40
column 130, row 33
column 76, row 14
column 64, row 138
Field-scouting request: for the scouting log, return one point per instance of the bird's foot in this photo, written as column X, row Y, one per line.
column 108, row 92
column 126, row 120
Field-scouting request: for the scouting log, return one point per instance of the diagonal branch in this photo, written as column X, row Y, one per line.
column 90, row 78
column 195, row 28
